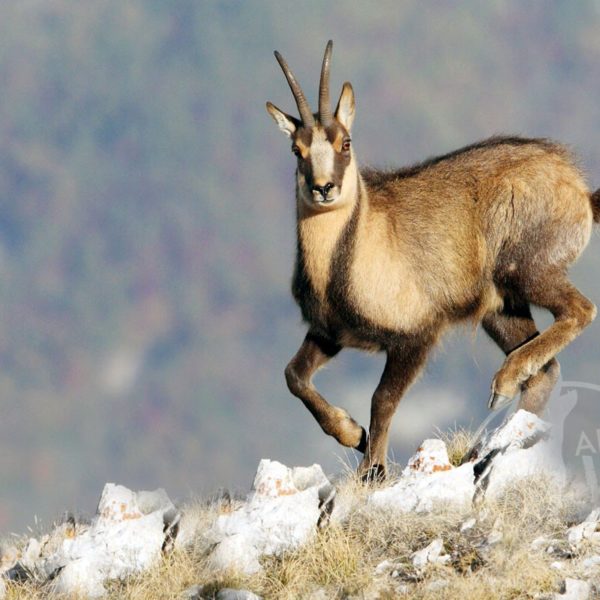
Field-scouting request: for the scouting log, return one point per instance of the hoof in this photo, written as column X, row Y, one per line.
column 498, row 401
column 347, row 431
column 362, row 445
column 374, row 474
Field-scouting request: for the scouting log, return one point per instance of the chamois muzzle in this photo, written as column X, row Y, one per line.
column 323, row 190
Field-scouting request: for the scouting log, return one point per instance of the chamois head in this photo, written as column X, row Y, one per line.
column 326, row 173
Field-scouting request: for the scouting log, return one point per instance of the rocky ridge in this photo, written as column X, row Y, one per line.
column 133, row 531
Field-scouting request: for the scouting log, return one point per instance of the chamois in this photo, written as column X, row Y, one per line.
column 387, row 260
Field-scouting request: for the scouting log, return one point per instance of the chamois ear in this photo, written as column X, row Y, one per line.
column 344, row 112
column 287, row 123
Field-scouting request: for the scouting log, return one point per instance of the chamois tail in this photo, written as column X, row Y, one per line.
column 595, row 198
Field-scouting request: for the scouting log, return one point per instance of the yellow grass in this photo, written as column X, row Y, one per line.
column 458, row 441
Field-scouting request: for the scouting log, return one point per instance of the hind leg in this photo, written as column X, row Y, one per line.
column 572, row 313
column 312, row 355
column 510, row 329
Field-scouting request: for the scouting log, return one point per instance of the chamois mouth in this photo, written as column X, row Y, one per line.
column 324, row 201
column 327, row 199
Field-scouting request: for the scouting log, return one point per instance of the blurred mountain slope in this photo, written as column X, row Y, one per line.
column 147, row 221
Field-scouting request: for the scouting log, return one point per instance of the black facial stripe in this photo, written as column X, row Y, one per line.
column 340, row 163
column 335, row 132
column 305, row 167
column 304, row 136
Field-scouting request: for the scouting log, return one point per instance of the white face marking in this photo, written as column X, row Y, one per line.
column 322, row 157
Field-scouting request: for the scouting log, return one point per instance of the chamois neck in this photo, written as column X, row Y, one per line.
column 320, row 232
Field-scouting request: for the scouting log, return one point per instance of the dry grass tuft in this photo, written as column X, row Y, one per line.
column 458, row 442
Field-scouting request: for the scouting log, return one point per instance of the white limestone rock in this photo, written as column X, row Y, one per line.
column 346, row 502
column 437, row 585
column 540, row 543
column 126, row 536
column 384, row 568
column 32, row 553
column 431, row 457
column 196, row 592
column 512, row 466
column 2, row 589
column 281, row 513
column 468, row 525
column 585, row 530
column 388, row 569
column 83, row 576
column 431, row 554
column 232, row 594
column 575, row 589
column 521, row 447
column 427, row 481
column 591, row 564
column 521, row 430
column 496, row 534
column 193, row 593
column 424, row 492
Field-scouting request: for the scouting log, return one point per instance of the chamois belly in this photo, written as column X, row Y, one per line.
column 378, row 325
column 335, row 315
column 372, row 313
column 352, row 326
column 377, row 299
column 385, row 308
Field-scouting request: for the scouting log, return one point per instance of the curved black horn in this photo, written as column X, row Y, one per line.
column 303, row 107
column 324, row 103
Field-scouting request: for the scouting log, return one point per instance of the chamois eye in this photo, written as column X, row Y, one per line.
column 346, row 145
column 296, row 150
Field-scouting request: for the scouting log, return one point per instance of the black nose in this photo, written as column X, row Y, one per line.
column 323, row 189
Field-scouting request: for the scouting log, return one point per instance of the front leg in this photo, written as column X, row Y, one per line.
column 312, row 355
column 403, row 364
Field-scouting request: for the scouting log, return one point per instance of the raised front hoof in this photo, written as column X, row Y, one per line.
column 362, row 445
column 347, row 431
column 374, row 474
column 498, row 401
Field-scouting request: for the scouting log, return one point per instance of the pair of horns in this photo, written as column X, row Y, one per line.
column 306, row 115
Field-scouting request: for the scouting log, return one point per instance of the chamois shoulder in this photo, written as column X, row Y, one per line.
column 493, row 147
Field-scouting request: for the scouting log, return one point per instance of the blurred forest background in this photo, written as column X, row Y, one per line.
column 147, row 223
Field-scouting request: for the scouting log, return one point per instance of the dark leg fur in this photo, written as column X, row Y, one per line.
column 374, row 474
column 312, row 355
column 511, row 329
column 595, row 198
column 402, row 367
column 572, row 313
